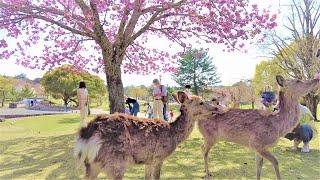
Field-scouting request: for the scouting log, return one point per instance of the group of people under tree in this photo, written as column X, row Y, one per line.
column 160, row 103
column 158, row 111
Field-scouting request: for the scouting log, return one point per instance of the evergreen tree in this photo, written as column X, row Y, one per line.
column 197, row 69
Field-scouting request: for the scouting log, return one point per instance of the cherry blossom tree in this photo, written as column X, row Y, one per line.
column 112, row 36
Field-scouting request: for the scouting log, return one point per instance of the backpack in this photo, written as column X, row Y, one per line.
column 164, row 99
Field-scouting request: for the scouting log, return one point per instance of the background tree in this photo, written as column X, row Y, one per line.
column 5, row 89
column 243, row 93
column 197, row 69
column 265, row 76
column 21, row 76
column 296, row 53
column 96, row 87
column 62, row 83
column 119, row 31
column 137, row 92
column 26, row 92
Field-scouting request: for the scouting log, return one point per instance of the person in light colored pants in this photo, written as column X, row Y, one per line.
column 158, row 109
column 82, row 96
column 83, row 107
column 159, row 92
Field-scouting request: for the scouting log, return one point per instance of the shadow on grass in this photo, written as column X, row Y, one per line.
column 69, row 121
column 52, row 158
column 38, row 158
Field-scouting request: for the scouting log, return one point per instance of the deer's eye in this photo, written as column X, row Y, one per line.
column 201, row 103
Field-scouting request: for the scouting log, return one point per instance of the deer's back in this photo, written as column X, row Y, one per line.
column 140, row 140
column 240, row 126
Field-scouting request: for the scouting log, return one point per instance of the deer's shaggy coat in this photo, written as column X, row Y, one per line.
column 111, row 143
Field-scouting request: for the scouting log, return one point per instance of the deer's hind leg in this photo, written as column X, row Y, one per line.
column 208, row 143
column 148, row 172
column 116, row 170
column 267, row 155
column 92, row 170
column 157, row 170
column 259, row 163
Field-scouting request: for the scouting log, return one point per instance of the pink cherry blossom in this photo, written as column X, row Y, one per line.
column 66, row 30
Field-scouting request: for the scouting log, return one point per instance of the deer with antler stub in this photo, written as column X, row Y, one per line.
column 257, row 129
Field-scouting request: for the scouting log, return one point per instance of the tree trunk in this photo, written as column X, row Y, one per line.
column 3, row 99
column 196, row 90
column 100, row 102
column 115, row 88
column 65, row 104
column 312, row 101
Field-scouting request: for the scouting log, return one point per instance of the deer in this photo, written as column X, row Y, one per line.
column 111, row 143
column 257, row 129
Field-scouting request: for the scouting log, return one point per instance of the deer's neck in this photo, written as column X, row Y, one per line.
column 182, row 126
column 289, row 112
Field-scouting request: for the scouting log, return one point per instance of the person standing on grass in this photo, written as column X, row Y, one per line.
column 149, row 111
column 83, row 99
column 133, row 104
column 171, row 115
column 160, row 99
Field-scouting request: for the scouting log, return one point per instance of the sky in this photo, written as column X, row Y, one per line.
column 231, row 66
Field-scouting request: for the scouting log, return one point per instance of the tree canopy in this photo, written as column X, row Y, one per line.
column 140, row 92
column 265, row 76
column 69, row 25
column 196, row 68
column 295, row 52
column 62, row 83
column 15, row 89
column 5, row 89
column 73, row 31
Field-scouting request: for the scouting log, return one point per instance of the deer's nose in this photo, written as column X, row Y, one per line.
column 317, row 77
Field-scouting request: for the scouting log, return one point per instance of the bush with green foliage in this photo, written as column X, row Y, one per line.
column 62, row 83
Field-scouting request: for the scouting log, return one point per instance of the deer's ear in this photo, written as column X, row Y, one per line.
column 182, row 96
column 175, row 97
column 280, row 80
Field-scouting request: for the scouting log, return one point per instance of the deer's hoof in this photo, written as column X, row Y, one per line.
column 208, row 176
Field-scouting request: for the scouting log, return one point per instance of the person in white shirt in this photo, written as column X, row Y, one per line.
column 159, row 107
column 83, row 99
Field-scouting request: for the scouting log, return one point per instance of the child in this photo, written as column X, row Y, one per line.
column 269, row 100
column 149, row 111
column 127, row 110
column 171, row 115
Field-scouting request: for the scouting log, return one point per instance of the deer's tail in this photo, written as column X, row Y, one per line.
column 87, row 145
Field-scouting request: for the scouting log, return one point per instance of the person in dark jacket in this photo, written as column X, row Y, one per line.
column 302, row 133
column 134, row 106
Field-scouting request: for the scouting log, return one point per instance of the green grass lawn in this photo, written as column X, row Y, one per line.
column 42, row 148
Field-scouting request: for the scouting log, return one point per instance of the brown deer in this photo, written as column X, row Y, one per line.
column 257, row 129
column 111, row 143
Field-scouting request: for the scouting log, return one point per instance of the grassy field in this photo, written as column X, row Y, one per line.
column 41, row 148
